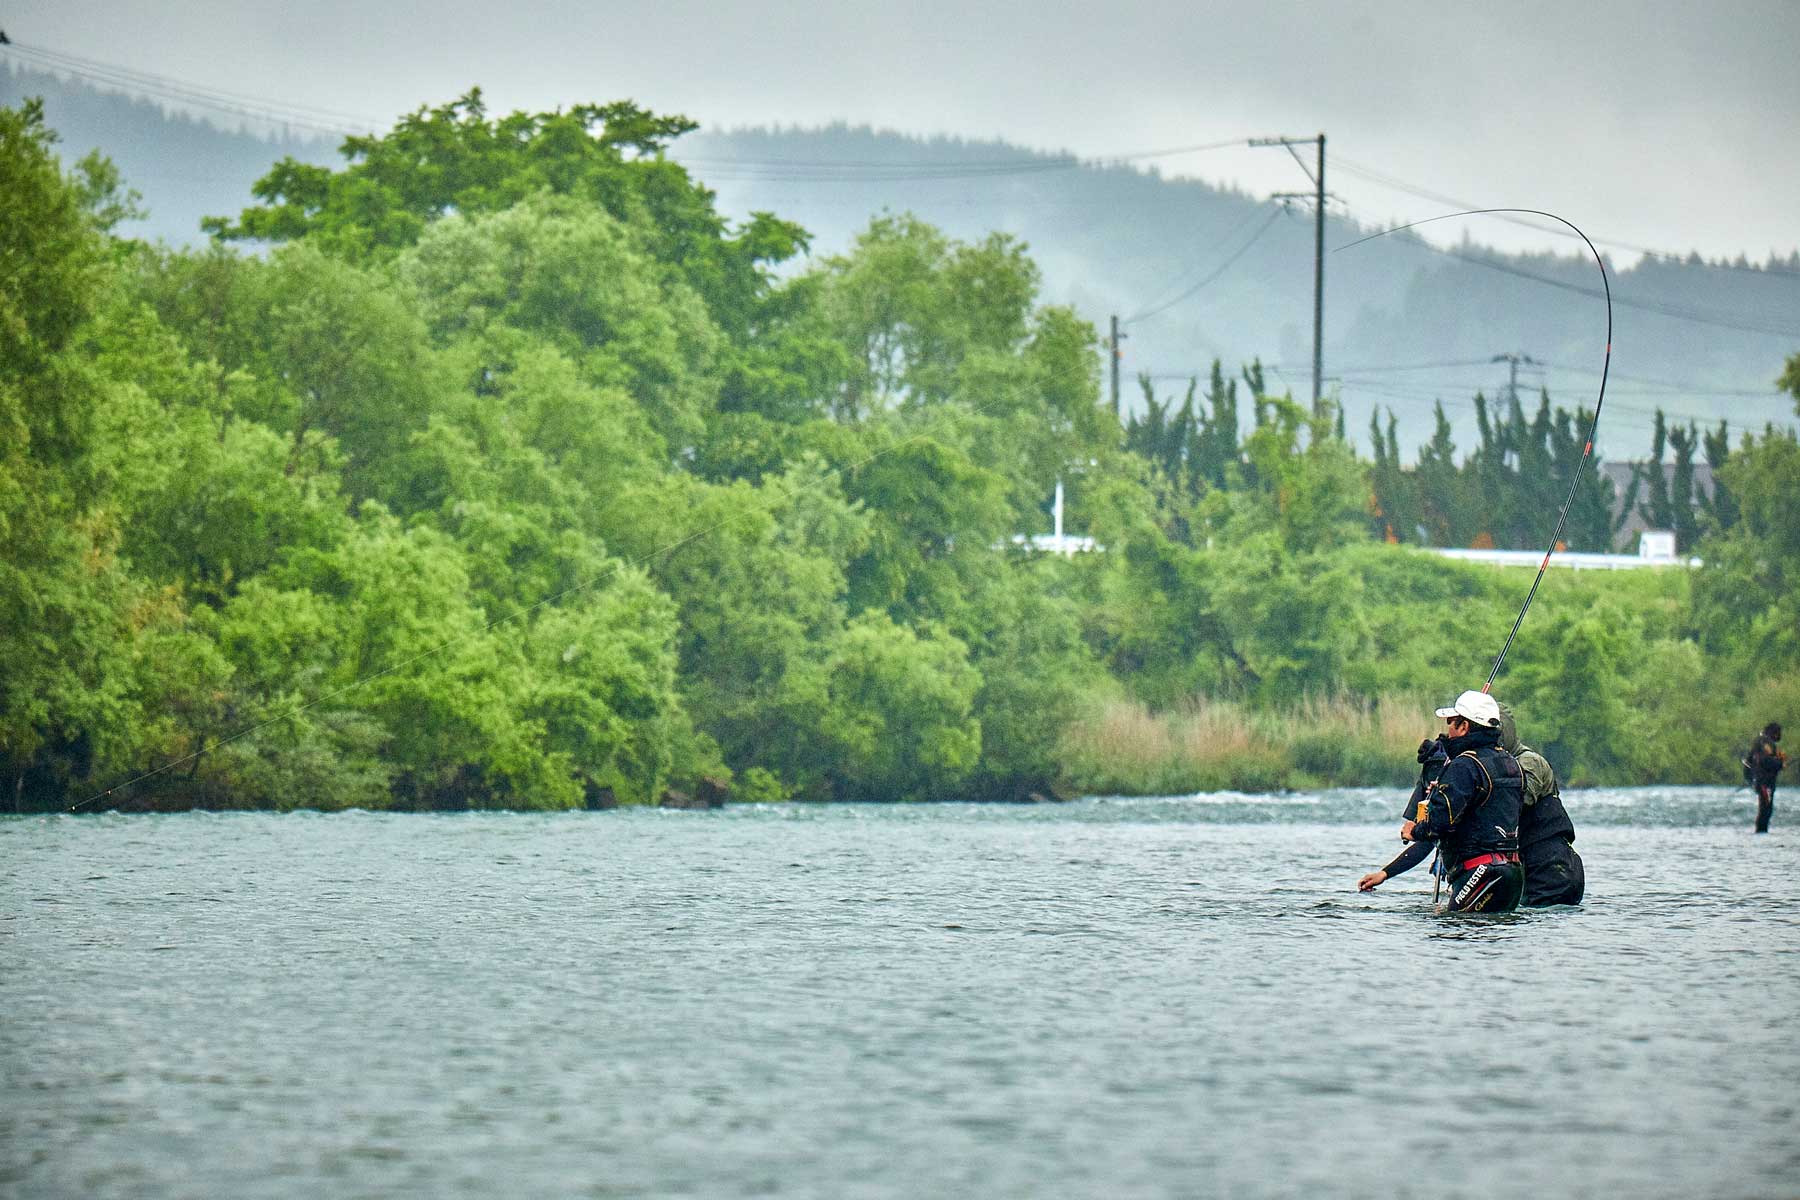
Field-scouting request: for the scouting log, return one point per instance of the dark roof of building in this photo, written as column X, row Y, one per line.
column 1619, row 475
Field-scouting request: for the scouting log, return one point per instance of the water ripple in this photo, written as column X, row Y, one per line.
column 1131, row 998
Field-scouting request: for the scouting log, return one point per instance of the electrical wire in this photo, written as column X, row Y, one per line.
column 1220, row 270
column 1339, row 162
column 1424, row 395
column 1666, row 310
column 176, row 91
column 851, row 171
column 1493, row 264
column 1358, row 379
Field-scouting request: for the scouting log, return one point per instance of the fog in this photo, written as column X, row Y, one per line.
column 1659, row 125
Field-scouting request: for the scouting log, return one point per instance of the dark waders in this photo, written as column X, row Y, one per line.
column 1491, row 883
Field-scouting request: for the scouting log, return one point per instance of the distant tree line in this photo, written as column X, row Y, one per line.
column 1505, row 493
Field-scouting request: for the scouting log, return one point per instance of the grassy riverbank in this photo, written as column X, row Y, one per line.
column 1126, row 749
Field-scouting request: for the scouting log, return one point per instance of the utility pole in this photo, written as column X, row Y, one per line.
column 1117, row 354
column 1319, row 281
column 1318, row 248
column 1512, row 379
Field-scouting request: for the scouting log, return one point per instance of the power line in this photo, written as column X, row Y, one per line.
column 1667, row 310
column 1641, row 386
column 875, row 170
column 1399, row 185
column 1697, row 389
column 1499, row 395
column 1691, row 388
column 178, row 91
column 335, row 121
column 1228, row 236
column 1460, row 393
column 1642, row 382
column 1421, row 395
column 1220, row 270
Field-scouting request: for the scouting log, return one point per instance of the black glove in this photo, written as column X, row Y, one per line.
column 1431, row 748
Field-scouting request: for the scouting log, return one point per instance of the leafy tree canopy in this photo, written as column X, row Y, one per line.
column 455, row 159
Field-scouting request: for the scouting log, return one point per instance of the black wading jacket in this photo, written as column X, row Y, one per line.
column 1472, row 808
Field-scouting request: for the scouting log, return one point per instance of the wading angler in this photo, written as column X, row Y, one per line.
column 1467, row 805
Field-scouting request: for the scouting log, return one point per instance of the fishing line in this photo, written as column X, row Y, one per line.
column 618, row 565
column 1587, row 449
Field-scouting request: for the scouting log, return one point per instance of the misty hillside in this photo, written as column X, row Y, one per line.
column 1193, row 271
column 185, row 167
column 1404, row 323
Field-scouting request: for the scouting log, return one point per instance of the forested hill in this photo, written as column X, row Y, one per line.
column 185, row 167
column 1197, row 272
column 1699, row 340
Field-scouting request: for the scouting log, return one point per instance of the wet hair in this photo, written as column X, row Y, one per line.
column 1772, row 731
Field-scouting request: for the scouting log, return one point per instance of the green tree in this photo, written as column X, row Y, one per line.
column 455, row 159
column 1038, row 676
column 331, row 356
column 64, row 600
column 574, row 278
column 935, row 518
column 1718, row 507
column 1307, row 485
column 1745, row 606
column 757, row 574
column 893, row 712
column 1595, row 514
column 1395, row 511
column 1657, row 507
column 1685, row 518
column 914, row 306
column 1572, row 677
column 1449, row 510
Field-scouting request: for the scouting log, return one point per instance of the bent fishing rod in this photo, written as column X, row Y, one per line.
column 1587, row 448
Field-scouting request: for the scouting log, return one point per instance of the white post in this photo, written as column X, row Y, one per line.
column 1056, row 512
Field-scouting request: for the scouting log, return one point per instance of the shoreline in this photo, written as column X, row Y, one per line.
column 1035, row 801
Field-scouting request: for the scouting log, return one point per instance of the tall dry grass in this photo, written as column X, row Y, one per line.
column 1219, row 745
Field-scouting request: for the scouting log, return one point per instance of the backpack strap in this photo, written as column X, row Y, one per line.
column 1476, row 759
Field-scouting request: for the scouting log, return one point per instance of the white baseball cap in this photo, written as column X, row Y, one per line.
column 1479, row 707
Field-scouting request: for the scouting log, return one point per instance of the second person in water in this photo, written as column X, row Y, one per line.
column 1553, row 871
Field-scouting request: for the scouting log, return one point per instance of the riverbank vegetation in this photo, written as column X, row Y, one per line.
column 495, row 469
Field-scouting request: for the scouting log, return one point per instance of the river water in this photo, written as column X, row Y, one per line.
column 1108, row 998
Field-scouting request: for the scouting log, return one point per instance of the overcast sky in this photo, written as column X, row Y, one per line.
column 1647, row 122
